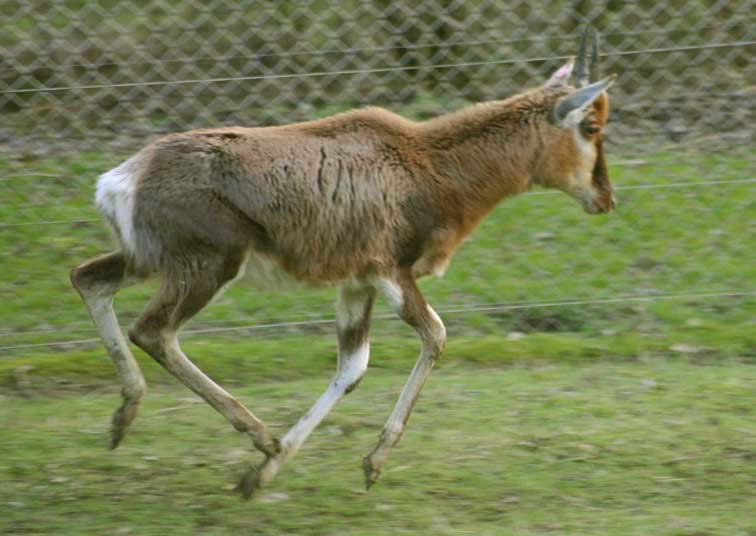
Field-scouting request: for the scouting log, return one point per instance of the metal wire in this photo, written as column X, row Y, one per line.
column 29, row 176
column 346, row 72
column 445, row 311
column 50, row 222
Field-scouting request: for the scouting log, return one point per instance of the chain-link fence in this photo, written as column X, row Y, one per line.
column 677, row 256
column 71, row 67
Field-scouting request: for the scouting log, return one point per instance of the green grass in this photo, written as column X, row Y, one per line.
column 627, row 417
column 534, row 248
column 662, row 446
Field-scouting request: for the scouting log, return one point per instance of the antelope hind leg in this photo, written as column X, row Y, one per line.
column 97, row 281
column 156, row 332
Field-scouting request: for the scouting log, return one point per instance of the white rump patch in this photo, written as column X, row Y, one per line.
column 114, row 199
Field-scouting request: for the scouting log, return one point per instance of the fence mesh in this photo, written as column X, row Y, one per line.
column 69, row 67
column 678, row 255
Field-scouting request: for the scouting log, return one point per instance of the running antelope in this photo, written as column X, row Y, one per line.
column 366, row 201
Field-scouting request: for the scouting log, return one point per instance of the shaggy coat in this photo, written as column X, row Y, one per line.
column 350, row 196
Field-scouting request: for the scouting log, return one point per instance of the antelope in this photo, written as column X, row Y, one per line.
column 366, row 201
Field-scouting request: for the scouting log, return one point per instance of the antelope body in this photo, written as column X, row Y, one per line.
column 366, row 201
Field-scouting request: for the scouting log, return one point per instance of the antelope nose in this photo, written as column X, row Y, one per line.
column 612, row 202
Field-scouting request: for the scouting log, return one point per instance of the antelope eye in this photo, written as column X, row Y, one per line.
column 591, row 128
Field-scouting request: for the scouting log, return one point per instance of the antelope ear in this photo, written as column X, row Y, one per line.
column 561, row 75
column 570, row 110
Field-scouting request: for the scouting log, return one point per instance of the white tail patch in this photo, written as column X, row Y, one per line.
column 114, row 199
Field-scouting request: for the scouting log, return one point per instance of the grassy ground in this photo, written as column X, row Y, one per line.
column 625, row 417
column 534, row 248
column 662, row 446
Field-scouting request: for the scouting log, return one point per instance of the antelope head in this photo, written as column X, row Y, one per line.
column 575, row 162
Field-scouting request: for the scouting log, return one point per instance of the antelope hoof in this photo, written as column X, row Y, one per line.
column 259, row 476
column 371, row 472
column 249, row 483
column 121, row 420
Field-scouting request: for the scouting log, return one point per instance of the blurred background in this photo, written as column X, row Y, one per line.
column 651, row 295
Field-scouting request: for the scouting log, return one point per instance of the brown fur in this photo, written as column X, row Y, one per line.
column 353, row 195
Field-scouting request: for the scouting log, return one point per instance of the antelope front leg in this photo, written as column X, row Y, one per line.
column 353, row 322
column 413, row 309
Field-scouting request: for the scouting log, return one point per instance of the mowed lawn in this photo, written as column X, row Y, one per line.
column 662, row 446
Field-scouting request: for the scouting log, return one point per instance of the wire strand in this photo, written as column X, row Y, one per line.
column 29, row 176
column 48, row 222
column 366, row 71
column 446, row 311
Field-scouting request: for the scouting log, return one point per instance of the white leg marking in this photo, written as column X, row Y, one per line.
column 351, row 366
column 393, row 293
column 439, row 334
column 352, row 369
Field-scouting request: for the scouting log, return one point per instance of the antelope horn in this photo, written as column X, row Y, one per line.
column 581, row 75
column 594, row 68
